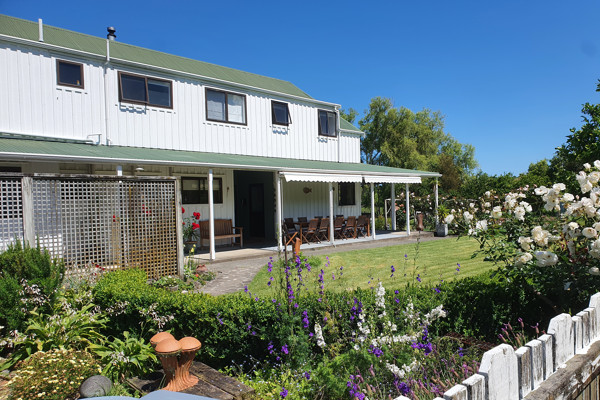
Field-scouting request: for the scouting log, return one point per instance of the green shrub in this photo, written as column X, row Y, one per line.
column 52, row 375
column 63, row 328
column 31, row 271
column 125, row 358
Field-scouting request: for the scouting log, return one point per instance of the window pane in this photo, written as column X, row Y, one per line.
column 215, row 105
column 190, row 184
column 159, row 93
column 346, row 194
column 323, row 122
column 69, row 74
column 280, row 113
column 331, row 124
column 133, row 88
column 235, row 108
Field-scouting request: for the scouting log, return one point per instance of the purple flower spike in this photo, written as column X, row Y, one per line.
column 284, row 349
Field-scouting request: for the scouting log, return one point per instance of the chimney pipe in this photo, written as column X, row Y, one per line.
column 111, row 33
column 40, row 30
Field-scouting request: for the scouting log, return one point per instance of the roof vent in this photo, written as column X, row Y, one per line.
column 111, row 33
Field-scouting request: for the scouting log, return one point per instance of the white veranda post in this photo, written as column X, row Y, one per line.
column 407, row 211
column 437, row 216
column 372, row 211
column 211, row 215
column 393, row 197
column 278, row 205
column 331, row 231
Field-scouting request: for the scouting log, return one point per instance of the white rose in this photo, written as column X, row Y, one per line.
column 525, row 243
column 546, row 258
column 587, row 166
column 594, row 177
column 568, row 197
column 542, row 190
column 481, row 225
column 595, row 248
column 468, row 216
column 540, row 236
column 597, row 164
column 586, row 187
column 488, row 193
column 497, row 212
column 520, row 213
column 523, row 259
column 589, row 232
column 449, row 218
column 596, row 226
column 594, row 271
column 559, row 187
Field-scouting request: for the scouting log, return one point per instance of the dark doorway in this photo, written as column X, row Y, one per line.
column 255, row 206
column 256, row 196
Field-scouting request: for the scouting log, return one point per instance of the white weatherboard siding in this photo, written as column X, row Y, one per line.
column 31, row 102
column 296, row 203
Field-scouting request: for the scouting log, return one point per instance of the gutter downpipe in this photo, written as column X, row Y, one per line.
column 106, row 106
column 211, row 215
column 279, row 206
column 372, row 211
column 407, row 211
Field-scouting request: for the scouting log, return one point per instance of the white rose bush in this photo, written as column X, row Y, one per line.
column 542, row 238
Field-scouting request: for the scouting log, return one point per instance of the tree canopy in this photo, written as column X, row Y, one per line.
column 399, row 137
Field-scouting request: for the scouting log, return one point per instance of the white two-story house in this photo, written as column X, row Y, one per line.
column 71, row 103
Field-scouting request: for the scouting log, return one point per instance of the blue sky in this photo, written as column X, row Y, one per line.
column 510, row 77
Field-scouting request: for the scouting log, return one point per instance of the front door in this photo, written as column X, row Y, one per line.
column 257, row 209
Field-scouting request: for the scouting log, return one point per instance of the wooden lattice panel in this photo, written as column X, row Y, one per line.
column 107, row 222
column 11, row 212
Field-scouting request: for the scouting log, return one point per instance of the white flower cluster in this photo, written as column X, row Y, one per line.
column 434, row 314
column 380, row 299
column 319, row 336
column 552, row 196
column 405, row 369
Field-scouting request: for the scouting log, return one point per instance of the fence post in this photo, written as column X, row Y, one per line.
column 179, row 227
column 475, row 385
column 537, row 362
column 28, row 221
column 524, row 361
column 499, row 366
column 456, row 392
column 548, row 346
column 561, row 327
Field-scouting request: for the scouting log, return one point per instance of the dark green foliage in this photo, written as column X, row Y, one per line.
column 233, row 328
column 33, row 265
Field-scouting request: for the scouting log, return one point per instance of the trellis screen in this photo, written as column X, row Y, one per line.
column 109, row 222
column 11, row 211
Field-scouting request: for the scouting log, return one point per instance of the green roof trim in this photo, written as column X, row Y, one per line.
column 42, row 150
column 23, row 29
column 347, row 126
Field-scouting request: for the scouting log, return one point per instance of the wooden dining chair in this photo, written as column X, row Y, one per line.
column 362, row 226
column 323, row 232
column 289, row 223
column 350, row 228
column 311, row 234
column 302, row 219
column 338, row 227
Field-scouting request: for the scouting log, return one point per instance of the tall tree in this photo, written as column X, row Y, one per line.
column 582, row 146
column 398, row 137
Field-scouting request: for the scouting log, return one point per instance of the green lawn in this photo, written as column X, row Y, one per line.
column 429, row 261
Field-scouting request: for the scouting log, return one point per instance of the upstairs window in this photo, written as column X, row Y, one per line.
column 327, row 123
column 195, row 190
column 281, row 113
column 69, row 74
column 144, row 90
column 346, row 194
column 225, row 107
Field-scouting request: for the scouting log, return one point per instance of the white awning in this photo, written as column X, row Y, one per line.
column 307, row 177
column 391, row 179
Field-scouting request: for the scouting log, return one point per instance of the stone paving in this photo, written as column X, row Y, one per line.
column 237, row 269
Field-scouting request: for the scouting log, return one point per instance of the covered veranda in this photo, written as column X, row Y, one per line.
column 285, row 172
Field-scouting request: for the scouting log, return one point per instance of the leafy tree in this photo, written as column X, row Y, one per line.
column 582, row 146
column 538, row 174
column 399, row 137
column 349, row 115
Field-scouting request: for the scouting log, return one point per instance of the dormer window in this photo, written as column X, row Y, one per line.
column 281, row 113
column 225, row 107
column 69, row 74
column 327, row 123
column 144, row 90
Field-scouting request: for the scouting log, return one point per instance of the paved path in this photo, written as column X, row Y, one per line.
column 233, row 275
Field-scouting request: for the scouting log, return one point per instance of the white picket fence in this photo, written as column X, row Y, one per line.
column 506, row 374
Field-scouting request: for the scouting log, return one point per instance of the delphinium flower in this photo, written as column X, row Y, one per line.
column 283, row 393
column 305, row 318
column 354, row 390
column 393, row 270
column 284, row 349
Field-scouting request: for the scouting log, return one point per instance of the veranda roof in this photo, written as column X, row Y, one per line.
column 20, row 149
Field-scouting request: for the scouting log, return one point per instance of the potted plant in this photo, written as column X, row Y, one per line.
column 190, row 230
column 441, row 229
